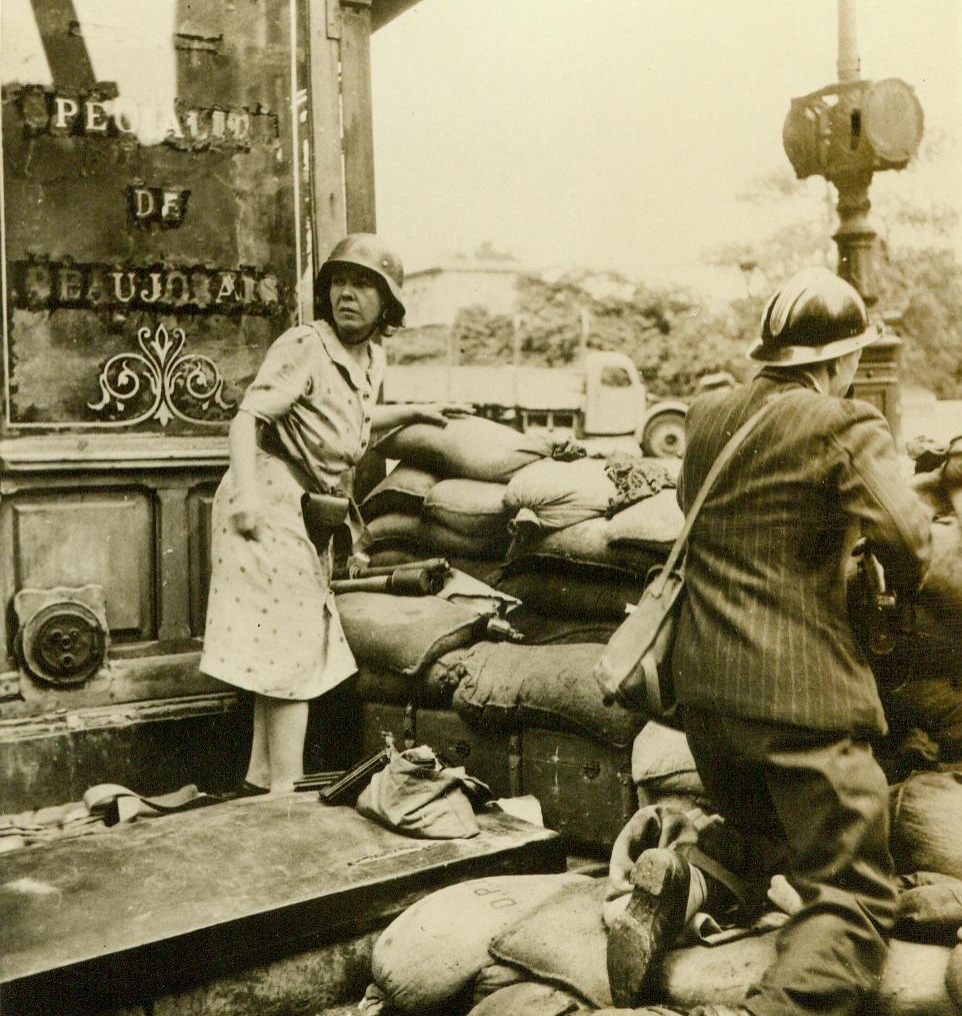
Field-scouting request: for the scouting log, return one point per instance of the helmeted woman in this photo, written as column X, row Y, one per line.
column 303, row 424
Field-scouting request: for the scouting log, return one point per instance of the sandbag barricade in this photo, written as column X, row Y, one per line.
column 523, row 932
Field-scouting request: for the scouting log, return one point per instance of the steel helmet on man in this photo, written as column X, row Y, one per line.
column 367, row 251
column 814, row 316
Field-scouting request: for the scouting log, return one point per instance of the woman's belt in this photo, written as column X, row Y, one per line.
column 325, row 507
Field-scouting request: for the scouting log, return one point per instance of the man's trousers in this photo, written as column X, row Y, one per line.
column 812, row 805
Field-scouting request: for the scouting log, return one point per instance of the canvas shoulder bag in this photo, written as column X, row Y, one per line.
column 635, row 668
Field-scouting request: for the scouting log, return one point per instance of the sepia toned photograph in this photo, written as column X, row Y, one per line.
column 481, row 508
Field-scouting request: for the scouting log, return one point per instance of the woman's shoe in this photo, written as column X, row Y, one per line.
column 243, row 789
column 248, row 789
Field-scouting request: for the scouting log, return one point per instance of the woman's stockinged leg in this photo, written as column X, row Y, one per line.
column 286, row 731
column 259, row 766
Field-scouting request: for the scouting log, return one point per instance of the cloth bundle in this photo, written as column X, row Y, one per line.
column 416, row 795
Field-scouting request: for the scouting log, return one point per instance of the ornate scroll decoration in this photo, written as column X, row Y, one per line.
column 162, row 383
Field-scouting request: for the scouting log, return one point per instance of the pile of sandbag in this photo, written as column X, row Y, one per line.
column 594, row 568
column 572, row 537
column 538, row 944
column 447, row 494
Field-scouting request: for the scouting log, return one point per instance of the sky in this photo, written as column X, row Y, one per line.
column 617, row 134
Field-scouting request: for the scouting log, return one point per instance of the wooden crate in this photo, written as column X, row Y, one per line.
column 491, row 757
column 585, row 787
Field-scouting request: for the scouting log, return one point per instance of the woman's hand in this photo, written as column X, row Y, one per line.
column 438, row 413
column 246, row 519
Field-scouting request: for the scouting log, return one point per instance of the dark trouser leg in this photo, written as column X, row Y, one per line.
column 820, row 803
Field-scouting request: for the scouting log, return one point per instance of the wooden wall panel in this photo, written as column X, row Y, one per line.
column 201, row 503
column 106, row 539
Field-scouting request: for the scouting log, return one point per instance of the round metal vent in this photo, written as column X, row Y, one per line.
column 63, row 643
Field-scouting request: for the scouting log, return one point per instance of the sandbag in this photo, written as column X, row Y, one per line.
column 529, row 999
column 437, row 538
column 563, row 589
column 403, row 490
column 471, row 447
column 550, row 495
column 654, row 522
column 388, row 553
column 564, row 942
column 551, row 628
column 399, row 527
column 586, row 543
column 436, row 948
column 662, row 764
column 913, row 981
column 509, row 687
column 432, row 688
column 472, row 507
column 405, row 633
column 494, row 977
column 953, row 976
column 930, row 909
column 927, row 823
column 930, row 704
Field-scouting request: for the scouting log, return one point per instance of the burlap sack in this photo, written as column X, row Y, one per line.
column 432, row 688
column 563, row 942
column 435, row 538
column 472, row 507
column 587, row 543
column 436, row 948
column 398, row 528
column 654, row 522
column 471, row 448
column 531, row 999
column 565, row 589
column 403, row 490
column 551, row 495
column 405, row 633
column 913, row 981
column 509, row 687
column 930, row 909
column 927, row 823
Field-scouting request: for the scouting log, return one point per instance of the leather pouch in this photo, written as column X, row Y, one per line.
column 323, row 515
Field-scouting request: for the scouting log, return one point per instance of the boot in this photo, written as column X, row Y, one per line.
column 650, row 925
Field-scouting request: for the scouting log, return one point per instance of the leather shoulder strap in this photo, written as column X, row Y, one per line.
column 718, row 465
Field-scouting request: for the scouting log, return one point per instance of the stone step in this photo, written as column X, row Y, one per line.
column 265, row 905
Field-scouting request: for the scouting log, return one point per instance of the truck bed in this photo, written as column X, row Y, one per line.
column 530, row 388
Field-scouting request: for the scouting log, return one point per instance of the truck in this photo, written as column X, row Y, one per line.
column 601, row 400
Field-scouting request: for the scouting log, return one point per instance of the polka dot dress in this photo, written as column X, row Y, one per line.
column 272, row 626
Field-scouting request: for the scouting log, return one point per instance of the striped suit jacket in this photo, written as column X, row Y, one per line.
column 764, row 630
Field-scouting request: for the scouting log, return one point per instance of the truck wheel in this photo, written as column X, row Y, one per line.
column 664, row 435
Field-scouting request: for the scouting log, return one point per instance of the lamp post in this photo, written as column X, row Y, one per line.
column 847, row 132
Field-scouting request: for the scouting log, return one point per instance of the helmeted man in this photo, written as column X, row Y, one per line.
column 778, row 698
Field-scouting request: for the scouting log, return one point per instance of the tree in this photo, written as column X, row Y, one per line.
column 918, row 269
